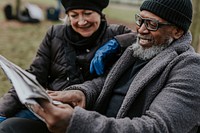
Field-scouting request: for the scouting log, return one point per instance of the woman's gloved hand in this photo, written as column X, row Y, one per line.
column 102, row 56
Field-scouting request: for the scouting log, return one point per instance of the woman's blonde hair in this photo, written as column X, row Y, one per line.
column 65, row 20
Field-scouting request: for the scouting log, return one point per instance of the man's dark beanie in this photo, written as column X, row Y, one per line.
column 95, row 5
column 178, row 12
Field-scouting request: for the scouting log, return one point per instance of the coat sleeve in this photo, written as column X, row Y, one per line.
column 126, row 39
column 41, row 63
column 9, row 103
column 174, row 110
column 91, row 89
column 127, row 36
column 123, row 34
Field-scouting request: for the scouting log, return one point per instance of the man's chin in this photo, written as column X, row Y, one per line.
column 146, row 53
column 145, row 45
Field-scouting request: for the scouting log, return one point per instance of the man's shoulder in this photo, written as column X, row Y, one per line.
column 118, row 28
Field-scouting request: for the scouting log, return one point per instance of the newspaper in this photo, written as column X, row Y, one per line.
column 27, row 87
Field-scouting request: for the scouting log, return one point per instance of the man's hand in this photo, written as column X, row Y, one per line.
column 56, row 117
column 102, row 56
column 71, row 97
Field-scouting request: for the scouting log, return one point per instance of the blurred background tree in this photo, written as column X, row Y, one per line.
column 195, row 28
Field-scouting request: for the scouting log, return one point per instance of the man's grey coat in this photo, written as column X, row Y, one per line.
column 170, row 83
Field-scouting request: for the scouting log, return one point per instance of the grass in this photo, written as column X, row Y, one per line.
column 125, row 13
column 19, row 42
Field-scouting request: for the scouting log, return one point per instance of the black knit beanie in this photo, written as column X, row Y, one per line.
column 95, row 5
column 178, row 12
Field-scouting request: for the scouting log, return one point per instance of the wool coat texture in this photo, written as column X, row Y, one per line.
column 169, row 84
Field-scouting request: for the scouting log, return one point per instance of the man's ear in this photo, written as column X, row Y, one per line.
column 177, row 32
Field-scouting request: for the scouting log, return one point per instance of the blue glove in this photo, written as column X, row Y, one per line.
column 98, row 62
column 2, row 118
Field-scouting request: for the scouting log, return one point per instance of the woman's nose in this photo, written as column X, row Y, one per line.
column 82, row 21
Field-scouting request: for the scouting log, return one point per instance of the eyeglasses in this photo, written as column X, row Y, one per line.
column 150, row 24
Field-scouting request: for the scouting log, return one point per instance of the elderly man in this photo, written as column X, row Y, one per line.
column 153, row 88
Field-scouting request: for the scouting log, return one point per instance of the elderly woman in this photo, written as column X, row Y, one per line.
column 65, row 54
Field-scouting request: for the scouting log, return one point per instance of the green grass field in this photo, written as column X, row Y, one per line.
column 19, row 41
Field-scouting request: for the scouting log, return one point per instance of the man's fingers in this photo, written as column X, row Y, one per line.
column 63, row 96
column 38, row 110
column 58, row 95
column 71, row 97
column 52, row 93
column 45, row 105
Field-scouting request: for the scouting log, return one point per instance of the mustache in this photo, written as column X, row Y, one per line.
column 147, row 37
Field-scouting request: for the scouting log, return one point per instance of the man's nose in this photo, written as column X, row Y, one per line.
column 143, row 29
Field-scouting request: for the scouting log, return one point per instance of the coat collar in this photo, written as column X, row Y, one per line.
column 149, row 71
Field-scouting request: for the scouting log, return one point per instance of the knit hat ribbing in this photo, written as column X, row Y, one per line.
column 178, row 12
column 95, row 5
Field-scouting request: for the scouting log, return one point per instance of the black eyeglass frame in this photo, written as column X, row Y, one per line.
column 145, row 20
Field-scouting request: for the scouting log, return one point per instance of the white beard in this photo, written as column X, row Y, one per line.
column 148, row 53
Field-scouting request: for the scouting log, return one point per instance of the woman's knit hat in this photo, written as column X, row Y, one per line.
column 95, row 5
column 178, row 12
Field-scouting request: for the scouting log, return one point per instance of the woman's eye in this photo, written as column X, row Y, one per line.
column 88, row 13
column 73, row 16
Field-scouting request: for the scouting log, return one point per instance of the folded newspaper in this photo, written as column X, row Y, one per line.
column 27, row 87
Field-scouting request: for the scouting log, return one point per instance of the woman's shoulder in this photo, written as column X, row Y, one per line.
column 57, row 30
column 58, row 27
